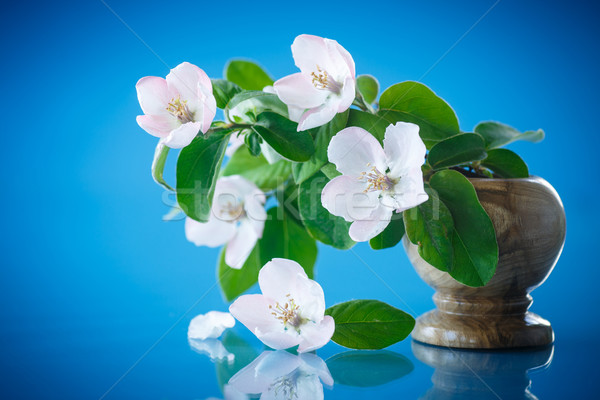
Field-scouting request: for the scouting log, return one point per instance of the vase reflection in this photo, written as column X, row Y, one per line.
column 472, row 374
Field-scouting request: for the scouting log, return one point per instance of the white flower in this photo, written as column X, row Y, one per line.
column 210, row 325
column 375, row 181
column 237, row 219
column 281, row 375
column 178, row 107
column 325, row 85
column 290, row 312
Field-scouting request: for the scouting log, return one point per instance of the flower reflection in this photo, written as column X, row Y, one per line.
column 212, row 348
column 282, row 375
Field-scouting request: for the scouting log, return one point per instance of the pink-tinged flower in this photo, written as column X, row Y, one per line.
column 176, row 108
column 279, row 375
column 237, row 219
column 375, row 181
column 290, row 312
column 325, row 85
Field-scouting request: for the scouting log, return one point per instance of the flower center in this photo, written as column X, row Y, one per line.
column 285, row 387
column 322, row 81
column 288, row 313
column 180, row 110
column 376, row 180
column 232, row 211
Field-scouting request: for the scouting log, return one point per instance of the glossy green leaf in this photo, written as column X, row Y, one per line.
column 198, row 167
column 282, row 135
column 430, row 226
column 322, row 225
column 474, row 239
column 234, row 282
column 368, row 86
column 223, row 90
column 363, row 368
column 414, row 102
column 322, row 136
column 243, row 354
column 374, row 124
column 369, row 324
column 247, row 75
column 158, row 165
column 256, row 169
column 285, row 238
column 497, row 134
column 457, row 150
column 390, row 236
column 506, row 164
column 255, row 102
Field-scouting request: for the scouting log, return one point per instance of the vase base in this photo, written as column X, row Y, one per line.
column 483, row 331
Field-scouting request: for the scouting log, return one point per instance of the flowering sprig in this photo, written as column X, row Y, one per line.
column 319, row 155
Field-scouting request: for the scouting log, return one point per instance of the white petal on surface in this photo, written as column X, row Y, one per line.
column 361, row 231
column 316, row 364
column 240, row 246
column 213, row 348
column 210, row 325
column 317, row 116
column 183, row 135
column 298, row 90
column 253, row 311
column 351, row 149
column 157, row 125
column 213, row 233
column 153, row 95
column 185, row 79
column 403, row 147
column 344, row 196
column 314, row 336
column 279, row 277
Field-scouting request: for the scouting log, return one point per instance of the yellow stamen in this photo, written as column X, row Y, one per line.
column 180, row 110
column 288, row 313
column 376, row 180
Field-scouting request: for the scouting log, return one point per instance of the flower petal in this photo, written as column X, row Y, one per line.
column 261, row 373
column 314, row 336
column 279, row 277
column 213, row 233
column 297, row 90
column 310, row 50
column 185, row 79
column 354, row 150
column 210, row 325
column 183, row 135
column 153, row 95
column 317, row 116
column 280, row 340
column 363, row 230
column 253, row 311
column 315, row 363
column 337, row 51
column 209, row 109
column 403, row 147
column 344, row 196
column 346, row 98
column 157, row 125
column 212, row 348
column 240, row 246
column 408, row 192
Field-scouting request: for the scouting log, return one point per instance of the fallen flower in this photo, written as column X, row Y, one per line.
column 178, row 107
column 237, row 219
column 325, row 85
column 210, row 325
column 290, row 312
column 375, row 181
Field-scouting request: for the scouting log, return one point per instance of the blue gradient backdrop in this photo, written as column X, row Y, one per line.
column 91, row 277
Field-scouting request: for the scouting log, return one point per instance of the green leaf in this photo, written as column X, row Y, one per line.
column 506, row 164
column 282, row 135
column 233, row 281
column 374, row 124
column 252, row 142
column 284, row 238
column 362, row 368
column 429, row 225
column 390, row 236
column 367, row 86
column 198, row 167
column 256, row 169
column 243, row 354
column 497, row 134
column 474, row 238
column 330, row 171
column 223, row 90
column 322, row 135
column 256, row 102
column 247, row 75
column 323, row 226
column 369, row 324
column 457, row 150
column 414, row 102
column 158, row 165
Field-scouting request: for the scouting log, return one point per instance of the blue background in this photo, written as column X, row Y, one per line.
column 91, row 276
